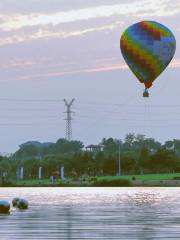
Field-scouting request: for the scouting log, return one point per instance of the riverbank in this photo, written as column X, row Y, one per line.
column 146, row 180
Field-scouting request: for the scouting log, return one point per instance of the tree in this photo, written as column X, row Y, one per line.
column 109, row 165
column 144, row 159
column 163, row 161
column 99, row 163
column 129, row 138
column 128, row 141
column 110, row 145
column 65, row 146
column 128, row 162
column 27, row 150
column 169, row 145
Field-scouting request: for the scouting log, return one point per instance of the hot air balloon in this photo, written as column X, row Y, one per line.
column 147, row 47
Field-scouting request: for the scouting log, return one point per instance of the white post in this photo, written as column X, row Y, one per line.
column 21, row 173
column 40, row 167
column 40, row 173
column 119, row 160
column 62, row 172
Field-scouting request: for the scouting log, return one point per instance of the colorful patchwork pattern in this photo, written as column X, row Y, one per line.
column 147, row 48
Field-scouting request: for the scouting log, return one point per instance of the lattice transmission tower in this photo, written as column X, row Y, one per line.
column 68, row 119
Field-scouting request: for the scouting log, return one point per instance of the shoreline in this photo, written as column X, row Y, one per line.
column 136, row 183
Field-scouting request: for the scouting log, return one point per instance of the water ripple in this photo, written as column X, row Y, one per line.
column 93, row 213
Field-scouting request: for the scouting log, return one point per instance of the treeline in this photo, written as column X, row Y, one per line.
column 138, row 155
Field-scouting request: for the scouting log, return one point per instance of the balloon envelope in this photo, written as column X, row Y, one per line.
column 147, row 48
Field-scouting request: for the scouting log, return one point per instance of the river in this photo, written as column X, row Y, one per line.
column 92, row 213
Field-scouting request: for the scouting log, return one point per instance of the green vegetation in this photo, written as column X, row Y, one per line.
column 124, row 180
column 145, row 177
column 141, row 159
column 112, row 183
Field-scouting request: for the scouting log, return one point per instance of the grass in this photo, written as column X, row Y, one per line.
column 92, row 180
column 145, row 177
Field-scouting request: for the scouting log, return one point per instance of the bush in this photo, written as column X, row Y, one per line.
column 7, row 184
column 176, row 178
column 112, row 183
column 133, row 178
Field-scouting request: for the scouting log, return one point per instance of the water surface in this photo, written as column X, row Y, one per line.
column 93, row 213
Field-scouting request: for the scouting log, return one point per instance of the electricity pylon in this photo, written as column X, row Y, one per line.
column 68, row 119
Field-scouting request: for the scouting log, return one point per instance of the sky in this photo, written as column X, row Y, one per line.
column 56, row 49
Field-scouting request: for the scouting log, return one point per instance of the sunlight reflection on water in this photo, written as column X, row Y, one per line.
column 93, row 213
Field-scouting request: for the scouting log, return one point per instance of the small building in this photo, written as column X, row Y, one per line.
column 94, row 148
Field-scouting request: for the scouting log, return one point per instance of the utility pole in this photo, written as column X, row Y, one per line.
column 68, row 119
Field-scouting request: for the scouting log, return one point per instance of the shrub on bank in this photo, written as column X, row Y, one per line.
column 176, row 178
column 112, row 183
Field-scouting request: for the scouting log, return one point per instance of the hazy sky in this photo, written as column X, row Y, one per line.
column 55, row 49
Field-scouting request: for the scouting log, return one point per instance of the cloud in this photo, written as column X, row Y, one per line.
column 18, row 28
column 136, row 8
column 47, row 34
column 21, row 63
column 101, row 67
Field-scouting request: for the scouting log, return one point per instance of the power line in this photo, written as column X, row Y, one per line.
column 93, row 103
column 27, row 100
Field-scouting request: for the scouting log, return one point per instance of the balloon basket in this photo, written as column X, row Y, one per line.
column 145, row 93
